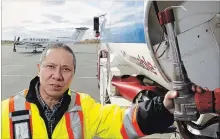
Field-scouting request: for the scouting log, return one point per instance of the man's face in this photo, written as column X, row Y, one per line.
column 56, row 72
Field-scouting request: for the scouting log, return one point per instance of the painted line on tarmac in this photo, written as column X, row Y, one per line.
column 36, row 75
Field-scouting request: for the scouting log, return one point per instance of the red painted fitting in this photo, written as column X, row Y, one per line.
column 204, row 102
column 217, row 100
column 169, row 16
column 166, row 17
column 161, row 18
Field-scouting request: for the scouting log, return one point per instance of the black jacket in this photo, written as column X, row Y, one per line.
column 153, row 117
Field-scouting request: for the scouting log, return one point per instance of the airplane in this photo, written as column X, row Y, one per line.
column 37, row 42
column 142, row 50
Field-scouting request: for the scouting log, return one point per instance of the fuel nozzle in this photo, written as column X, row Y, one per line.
column 185, row 107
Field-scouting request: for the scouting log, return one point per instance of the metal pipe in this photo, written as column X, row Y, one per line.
column 185, row 108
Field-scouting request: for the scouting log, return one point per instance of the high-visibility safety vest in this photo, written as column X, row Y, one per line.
column 84, row 119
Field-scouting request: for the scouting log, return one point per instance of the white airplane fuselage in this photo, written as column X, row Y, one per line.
column 42, row 42
column 38, row 42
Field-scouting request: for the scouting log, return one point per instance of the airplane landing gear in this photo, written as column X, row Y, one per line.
column 14, row 50
column 35, row 50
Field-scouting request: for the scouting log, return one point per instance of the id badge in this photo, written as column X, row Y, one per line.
column 21, row 130
column 21, row 125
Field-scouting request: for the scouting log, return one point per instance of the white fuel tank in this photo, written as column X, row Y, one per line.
column 198, row 33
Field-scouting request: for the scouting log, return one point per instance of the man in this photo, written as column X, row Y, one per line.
column 49, row 109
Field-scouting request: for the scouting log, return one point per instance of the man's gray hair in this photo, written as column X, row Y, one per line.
column 55, row 46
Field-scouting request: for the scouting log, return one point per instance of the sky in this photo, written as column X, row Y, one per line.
column 49, row 18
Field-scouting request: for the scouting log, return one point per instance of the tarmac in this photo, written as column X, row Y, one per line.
column 18, row 68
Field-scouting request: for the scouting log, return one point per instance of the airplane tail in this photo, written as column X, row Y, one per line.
column 79, row 33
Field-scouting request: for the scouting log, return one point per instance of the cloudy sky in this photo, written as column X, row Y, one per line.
column 49, row 18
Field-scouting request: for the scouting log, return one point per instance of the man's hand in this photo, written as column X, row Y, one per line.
column 199, row 89
column 168, row 100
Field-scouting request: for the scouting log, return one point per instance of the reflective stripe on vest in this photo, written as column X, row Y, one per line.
column 24, row 115
column 74, row 120
column 73, row 116
column 130, row 128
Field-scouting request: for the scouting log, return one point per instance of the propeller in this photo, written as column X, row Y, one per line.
column 14, row 50
column 18, row 39
column 15, row 41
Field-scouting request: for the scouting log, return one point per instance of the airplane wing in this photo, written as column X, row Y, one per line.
column 29, row 44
